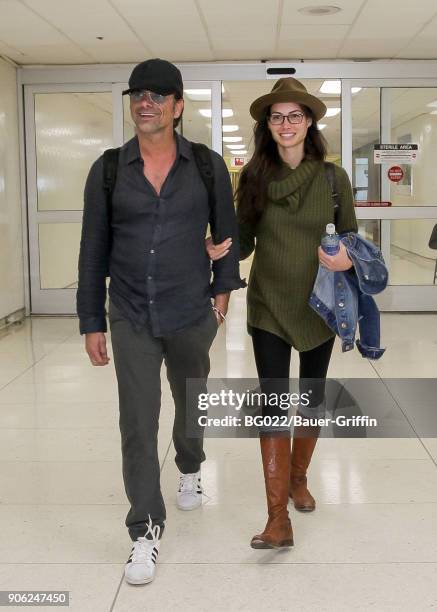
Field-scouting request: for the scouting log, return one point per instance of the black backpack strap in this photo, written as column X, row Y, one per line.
column 203, row 159
column 110, row 167
column 330, row 176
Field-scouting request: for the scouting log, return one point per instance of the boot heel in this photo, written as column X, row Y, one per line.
column 285, row 544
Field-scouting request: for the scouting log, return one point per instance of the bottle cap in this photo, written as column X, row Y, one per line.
column 330, row 228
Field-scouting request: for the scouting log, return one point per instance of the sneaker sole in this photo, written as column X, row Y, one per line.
column 138, row 582
column 188, row 509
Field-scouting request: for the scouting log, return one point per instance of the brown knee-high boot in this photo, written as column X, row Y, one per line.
column 276, row 454
column 301, row 453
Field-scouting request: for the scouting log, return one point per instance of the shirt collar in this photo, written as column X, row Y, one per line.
column 183, row 147
column 132, row 148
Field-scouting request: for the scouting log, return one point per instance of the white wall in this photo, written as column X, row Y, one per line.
column 11, row 252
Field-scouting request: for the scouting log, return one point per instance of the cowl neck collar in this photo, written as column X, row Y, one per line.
column 291, row 181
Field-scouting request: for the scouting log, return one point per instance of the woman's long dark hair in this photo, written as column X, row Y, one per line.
column 251, row 194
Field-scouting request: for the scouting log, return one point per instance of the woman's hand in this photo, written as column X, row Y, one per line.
column 217, row 251
column 335, row 263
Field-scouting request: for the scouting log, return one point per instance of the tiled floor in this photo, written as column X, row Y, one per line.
column 371, row 544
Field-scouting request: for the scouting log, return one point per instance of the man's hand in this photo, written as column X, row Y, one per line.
column 95, row 346
column 217, row 251
column 335, row 263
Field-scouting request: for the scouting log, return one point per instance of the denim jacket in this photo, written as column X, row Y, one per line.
column 344, row 299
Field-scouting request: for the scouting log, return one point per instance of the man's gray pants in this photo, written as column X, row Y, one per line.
column 138, row 357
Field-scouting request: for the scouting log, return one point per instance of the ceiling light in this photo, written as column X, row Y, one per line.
column 433, row 112
column 331, row 87
column 232, row 138
column 321, row 126
column 334, row 87
column 433, row 104
column 332, row 112
column 236, row 146
column 226, row 112
column 319, row 11
column 230, row 128
column 198, row 94
column 238, row 153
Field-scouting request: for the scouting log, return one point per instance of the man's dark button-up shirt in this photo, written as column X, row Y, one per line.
column 160, row 271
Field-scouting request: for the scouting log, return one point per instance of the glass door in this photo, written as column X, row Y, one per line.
column 383, row 113
column 67, row 128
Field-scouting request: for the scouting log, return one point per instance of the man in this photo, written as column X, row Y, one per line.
column 151, row 238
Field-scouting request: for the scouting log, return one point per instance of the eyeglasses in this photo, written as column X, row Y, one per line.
column 142, row 94
column 279, row 118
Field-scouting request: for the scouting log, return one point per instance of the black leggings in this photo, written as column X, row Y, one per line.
column 273, row 358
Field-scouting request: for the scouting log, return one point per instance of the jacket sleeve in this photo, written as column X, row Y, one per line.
column 93, row 255
column 346, row 220
column 226, row 271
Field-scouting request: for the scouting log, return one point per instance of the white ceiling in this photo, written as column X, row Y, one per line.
column 66, row 31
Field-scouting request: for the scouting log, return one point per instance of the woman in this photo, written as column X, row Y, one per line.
column 284, row 202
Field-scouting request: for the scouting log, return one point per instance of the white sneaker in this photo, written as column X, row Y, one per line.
column 140, row 568
column 189, row 495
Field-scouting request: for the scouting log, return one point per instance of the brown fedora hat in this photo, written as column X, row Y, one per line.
column 287, row 90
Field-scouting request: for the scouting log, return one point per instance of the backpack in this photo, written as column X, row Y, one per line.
column 330, row 177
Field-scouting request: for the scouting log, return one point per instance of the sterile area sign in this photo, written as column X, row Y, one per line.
column 395, row 153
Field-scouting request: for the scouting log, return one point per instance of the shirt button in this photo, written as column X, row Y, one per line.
column 149, row 277
column 341, row 304
column 343, row 325
column 150, row 301
column 152, row 251
column 339, row 284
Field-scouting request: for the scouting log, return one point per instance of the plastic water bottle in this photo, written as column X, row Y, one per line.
column 330, row 242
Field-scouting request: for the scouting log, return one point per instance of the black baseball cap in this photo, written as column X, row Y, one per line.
column 156, row 75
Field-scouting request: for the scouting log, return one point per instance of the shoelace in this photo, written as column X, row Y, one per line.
column 143, row 547
column 188, row 483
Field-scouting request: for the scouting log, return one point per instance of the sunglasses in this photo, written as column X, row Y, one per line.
column 279, row 118
column 138, row 95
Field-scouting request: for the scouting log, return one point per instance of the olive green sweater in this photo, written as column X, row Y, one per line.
column 285, row 262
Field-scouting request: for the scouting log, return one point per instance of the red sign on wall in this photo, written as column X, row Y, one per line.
column 395, row 174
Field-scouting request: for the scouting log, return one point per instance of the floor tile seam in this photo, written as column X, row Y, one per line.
column 425, row 461
column 401, row 459
column 116, row 429
column 225, row 563
column 57, row 461
column 51, row 403
column 419, row 438
column 320, row 504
